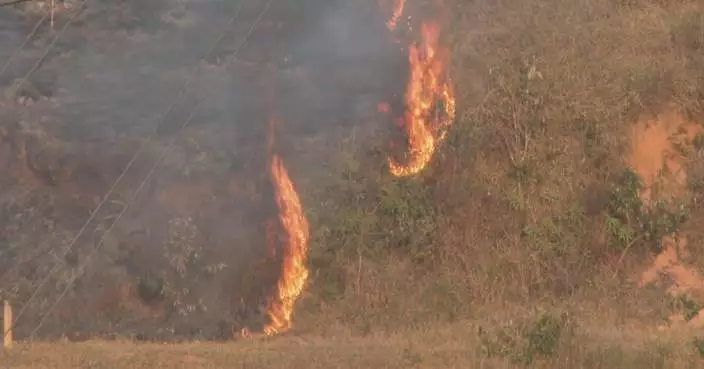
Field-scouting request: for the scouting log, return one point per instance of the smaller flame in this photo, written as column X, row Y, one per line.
column 424, row 122
column 396, row 14
column 294, row 273
column 245, row 333
column 293, row 270
column 383, row 107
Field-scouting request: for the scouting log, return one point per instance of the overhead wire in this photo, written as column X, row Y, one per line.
column 42, row 57
column 145, row 180
column 119, row 178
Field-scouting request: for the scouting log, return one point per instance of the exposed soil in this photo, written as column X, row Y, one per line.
column 527, row 234
column 658, row 155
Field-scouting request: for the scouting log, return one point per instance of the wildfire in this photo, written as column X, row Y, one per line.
column 245, row 333
column 294, row 274
column 293, row 271
column 395, row 14
column 430, row 102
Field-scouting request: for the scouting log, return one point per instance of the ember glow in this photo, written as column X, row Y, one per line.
column 245, row 333
column 430, row 102
column 395, row 14
column 293, row 270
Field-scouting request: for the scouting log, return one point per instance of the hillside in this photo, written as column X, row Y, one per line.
column 555, row 225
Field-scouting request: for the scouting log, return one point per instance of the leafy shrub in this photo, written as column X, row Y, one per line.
column 538, row 339
column 628, row 220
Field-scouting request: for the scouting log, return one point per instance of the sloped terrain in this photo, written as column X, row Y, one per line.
column 557, row 224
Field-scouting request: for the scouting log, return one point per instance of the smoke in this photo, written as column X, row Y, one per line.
column 338, row 67
column 190, row 249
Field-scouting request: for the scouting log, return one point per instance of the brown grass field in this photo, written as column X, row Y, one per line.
column 526, row 243
column 452, row 347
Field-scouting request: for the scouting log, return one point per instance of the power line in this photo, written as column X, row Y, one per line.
column 112, row 225
column 121, row 176
column 53, row 42
column 13, row 2
column 146, row 179
column 46, row 50
column 24, row 43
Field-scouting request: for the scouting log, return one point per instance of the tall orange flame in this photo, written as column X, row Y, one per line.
column 425, row 120
column 293, row 270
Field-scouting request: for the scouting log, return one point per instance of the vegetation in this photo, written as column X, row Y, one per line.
column 516, row 248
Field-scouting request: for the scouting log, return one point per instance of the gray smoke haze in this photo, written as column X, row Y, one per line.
column 320, row 65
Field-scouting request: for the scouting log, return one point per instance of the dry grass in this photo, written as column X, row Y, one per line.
column 506, row 229
column 510, row 219
column 512, row 209
column 455, row 346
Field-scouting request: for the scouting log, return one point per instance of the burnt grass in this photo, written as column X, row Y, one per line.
column 189, row 258
column 506, row 223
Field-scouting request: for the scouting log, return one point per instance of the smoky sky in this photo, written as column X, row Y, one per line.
column 121, row 64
